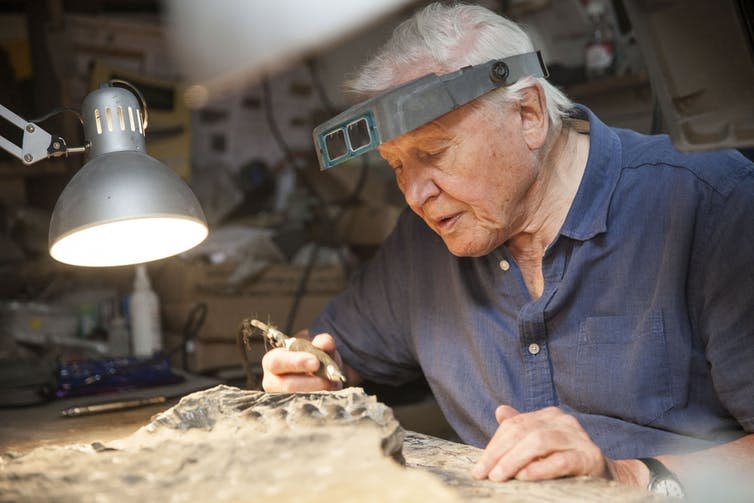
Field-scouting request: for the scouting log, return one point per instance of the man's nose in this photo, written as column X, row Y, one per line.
column 418, row 185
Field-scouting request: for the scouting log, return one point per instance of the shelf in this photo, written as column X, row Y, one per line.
column 607, row 85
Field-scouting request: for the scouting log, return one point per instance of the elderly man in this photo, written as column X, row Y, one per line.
column 577, row 296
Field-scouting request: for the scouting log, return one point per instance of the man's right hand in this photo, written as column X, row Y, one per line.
column 291, row 371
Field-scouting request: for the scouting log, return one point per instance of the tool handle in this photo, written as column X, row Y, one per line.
column 98, row 408
column 328, row 368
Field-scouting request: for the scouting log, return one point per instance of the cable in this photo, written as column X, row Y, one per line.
column 139, row 96
column 56, row 111
column 288, row 153
column 311, row 65
column 329, row 222
column 656, row 125
column 283, row 145
column 301, row 289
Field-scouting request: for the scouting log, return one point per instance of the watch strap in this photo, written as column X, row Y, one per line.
column 658, row 470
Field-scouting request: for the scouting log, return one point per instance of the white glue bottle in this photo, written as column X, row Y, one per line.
column 144, row 313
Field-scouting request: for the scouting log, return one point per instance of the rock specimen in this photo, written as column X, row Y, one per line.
column 226, row 444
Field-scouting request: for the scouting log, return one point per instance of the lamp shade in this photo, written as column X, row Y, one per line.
column 123, row 207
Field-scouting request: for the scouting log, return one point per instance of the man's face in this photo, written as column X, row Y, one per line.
column 467, row 176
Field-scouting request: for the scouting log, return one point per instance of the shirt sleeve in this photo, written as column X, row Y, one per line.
column 368, row 319
column 724, row 291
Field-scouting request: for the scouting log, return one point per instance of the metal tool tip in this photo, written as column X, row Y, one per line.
column 335, row 375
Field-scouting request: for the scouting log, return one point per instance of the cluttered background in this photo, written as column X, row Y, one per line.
column 284, row 236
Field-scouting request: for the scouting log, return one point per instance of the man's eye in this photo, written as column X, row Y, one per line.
column 433, row 154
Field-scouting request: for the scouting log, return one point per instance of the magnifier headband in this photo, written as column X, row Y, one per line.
column 397, row 111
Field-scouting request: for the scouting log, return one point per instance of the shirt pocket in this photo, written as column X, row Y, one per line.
column 622, row 367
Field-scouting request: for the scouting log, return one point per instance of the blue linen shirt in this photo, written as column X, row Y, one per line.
column 644, row 331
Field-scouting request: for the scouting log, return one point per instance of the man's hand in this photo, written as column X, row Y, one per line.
column 539, row 445
column 292, row 371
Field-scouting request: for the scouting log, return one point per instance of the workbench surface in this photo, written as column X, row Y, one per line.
column 22, row 429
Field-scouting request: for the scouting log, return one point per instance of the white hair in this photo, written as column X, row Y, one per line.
column 442, row 38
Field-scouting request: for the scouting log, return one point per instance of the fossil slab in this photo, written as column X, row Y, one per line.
column 226, row 444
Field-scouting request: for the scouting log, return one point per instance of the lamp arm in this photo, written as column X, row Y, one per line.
column 37, row 143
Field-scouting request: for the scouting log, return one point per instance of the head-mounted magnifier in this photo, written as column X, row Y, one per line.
column 397, row 111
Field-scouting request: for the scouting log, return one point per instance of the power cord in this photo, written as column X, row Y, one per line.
column 329, row 222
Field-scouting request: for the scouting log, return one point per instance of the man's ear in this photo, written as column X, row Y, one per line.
column 534, row 118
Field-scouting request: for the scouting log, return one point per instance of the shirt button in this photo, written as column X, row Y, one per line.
column 533, row 348
column 505, row 265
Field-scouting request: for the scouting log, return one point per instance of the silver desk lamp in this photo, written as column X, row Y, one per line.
column 123, row 207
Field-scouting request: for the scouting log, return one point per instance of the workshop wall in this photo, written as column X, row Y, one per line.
column 284, row 237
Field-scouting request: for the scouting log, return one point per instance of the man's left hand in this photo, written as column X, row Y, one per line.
column 539, row 445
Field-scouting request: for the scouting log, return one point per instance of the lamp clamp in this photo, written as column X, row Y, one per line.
column 36, row 143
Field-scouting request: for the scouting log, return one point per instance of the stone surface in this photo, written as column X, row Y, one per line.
column 452, row 463
column 225, row 444
column 226, row 407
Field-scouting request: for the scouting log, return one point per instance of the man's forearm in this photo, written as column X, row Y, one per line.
column 724, row 465
column 728, row 468
column 631, row 472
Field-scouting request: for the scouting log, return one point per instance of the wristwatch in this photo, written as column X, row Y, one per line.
column 661, row 480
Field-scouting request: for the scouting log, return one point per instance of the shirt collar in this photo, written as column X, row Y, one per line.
column 587, row 216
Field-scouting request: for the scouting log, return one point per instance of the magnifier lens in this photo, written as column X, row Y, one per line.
column 358, row 134
column 335, row 142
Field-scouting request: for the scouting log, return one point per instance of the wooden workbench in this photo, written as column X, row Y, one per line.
column 24, row 428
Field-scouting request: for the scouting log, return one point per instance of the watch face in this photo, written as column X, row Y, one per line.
column 668, row 487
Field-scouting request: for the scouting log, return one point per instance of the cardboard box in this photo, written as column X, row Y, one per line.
column 215, row 341
column 179, row 280
column 214, row 355
column 366, row 225
column 224, row 313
